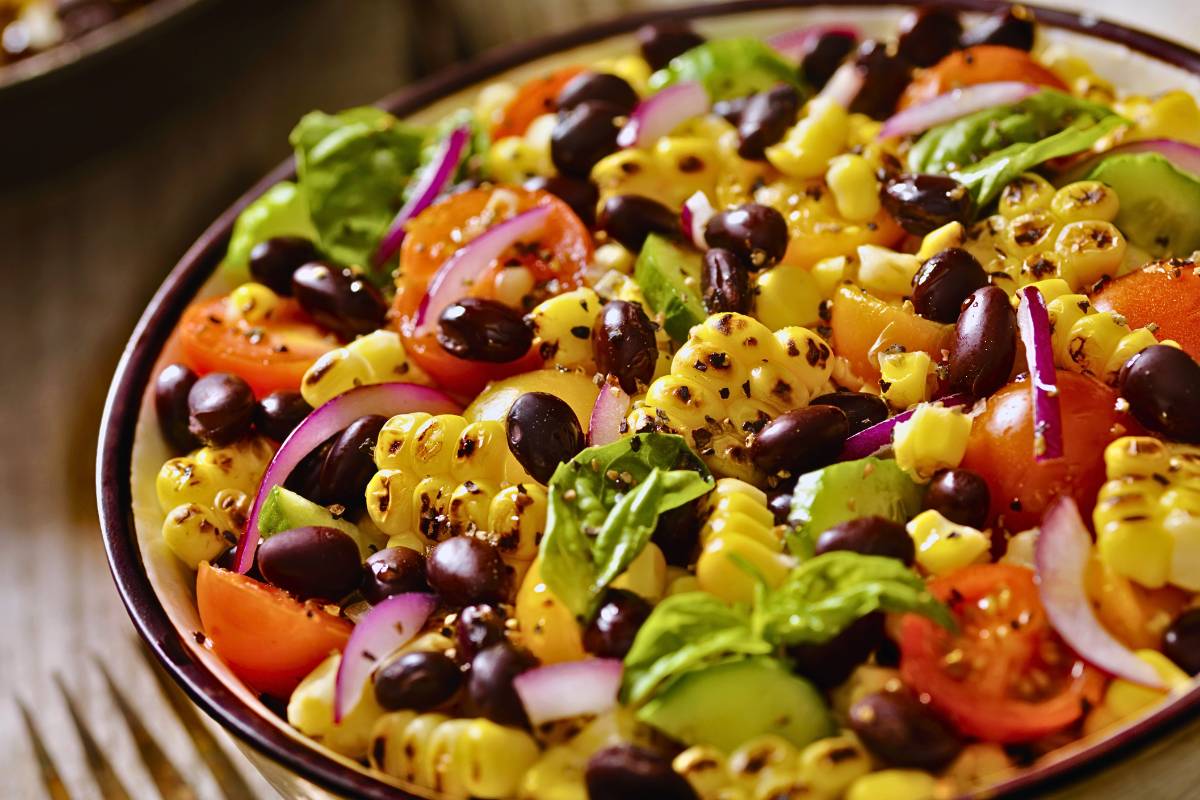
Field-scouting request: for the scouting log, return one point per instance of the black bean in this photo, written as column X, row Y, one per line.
column 902, row 731
column 724, row 282
column 677, row 534
column 583, row 136
column 490, row 685
column 597, row 86
column 477, row 628
column 800, row 440
column 944, row 281
column 862, row 409
column 421, row 681
column 272, row 262
column 350, row 463
column 871, row 536
column 961, row 496
column 339, row 299
column 1162, row 385
column 985, row 343
column 171, row 389
column 464, row 570
column 779, row 500
column 476, row 329
column 305, row 479
column 630, row 772
column 928, row 34
column 884, row 76
column 393, row 571
column 924, row 203
column 830, row 663
column 1011, row 27
column 623, row 344
column 611, row 632
column 311, row 562
column 825, row 55
column 220, row 408
column 279, row 413
column 757, row 234
column 765, row 119
column 662, row 41
column 580, row 194
column 1181, row 641
column 543, row 432
column 731, row 110
column 630, row 218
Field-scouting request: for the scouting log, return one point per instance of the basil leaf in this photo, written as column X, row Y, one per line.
column 730, row 68
column 280, row 211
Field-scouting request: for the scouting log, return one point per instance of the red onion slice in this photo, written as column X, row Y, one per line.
column 955, row 104
column 430, row 185
column 1061, row 556
column 608, row 414
column 1183, row 155
column 386, row 627
column 662, row 113
column 1034, row 323
column 386, row 399
column 795, row 44
column 452, row 280
column 569, row 689
column 843, row 86
column 868, row 441
column 697, row 211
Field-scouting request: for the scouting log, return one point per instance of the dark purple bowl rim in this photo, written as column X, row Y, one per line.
column 119, row 423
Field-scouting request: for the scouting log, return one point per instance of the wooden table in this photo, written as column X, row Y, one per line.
column 92, row 214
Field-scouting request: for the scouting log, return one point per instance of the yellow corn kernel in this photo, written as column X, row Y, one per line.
column 481, row 452
column 893, row 784
column 1021, row 547
column 495, row 758
column 378, row 357
column 944, row 546
column 762, row 754
column 557, row 775
column 1128, row 537
column 1090, row 250
column 829, row 273
column 1174, row 115
column 979, row 764
column 431, row 504
column 631, row 68
column 677, row 167
column 254, row 302
column 1124, row 698
column 706, row 769
column 952, row 234
column 646, row 576
column 720, row 572
column 885, row 272
column 491, row 101
column 1052, row 288
column 1085, row 200
column 310, row 711
column 1027, row 193
column 1030, row 233
column 435, row 444
column 787, row 295
column 906, row 378
column 467, row 510
column 240, row 465
column 736, row 507
column 851, row 179
column 562, row 328
column 513, row 159
column 833, row 763
column 933, row 438
column 809, row 145
column 517, row 520
column 182, row 480
column 513, row 285
column 389, row 497
column 194, row 535
column 613, row 256
column 394, row 446
column 1094, row 339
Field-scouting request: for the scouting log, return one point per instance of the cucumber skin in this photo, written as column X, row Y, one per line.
column 681, row 307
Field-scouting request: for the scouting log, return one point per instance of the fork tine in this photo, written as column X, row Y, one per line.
column 231, row 782
column 55, row 788
column 171, row 785
column 110, row 785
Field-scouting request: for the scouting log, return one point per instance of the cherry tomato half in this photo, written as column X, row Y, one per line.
column 1165, row 294
column 984, row 63
column 535, row 98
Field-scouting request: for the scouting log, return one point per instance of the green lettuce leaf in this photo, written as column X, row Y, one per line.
column 730, row 68
column 280, row 211
column 471, row 163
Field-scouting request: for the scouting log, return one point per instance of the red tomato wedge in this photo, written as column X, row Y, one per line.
column 985, row 63
column 1166, row 294
column 534, row 98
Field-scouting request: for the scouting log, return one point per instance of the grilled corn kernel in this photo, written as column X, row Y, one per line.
column 1031, row 232
column 952, row 234
column 254, row 302
column 851, row 179
column 787, row 295
column 646, row 575
column 828, row 273
column 194, row 535
column 202, row 477
column 944, row 546
column 676, row 167
column 706, row 769
column 1124, row 698
column 491, row 100
column 933, row 438
column 809, row 145
column 1020, row 550
column 832, row 764
column 310, row 711
column 1029, row 192
column 1089, row 250
column 906, row 378
column 886, row 272
column 557, row 775
column 517, row 520
column 766, row 752
column 378, row 357
column 562, row 328
column 893, row 784
column 513, row 159
column 1085, row 200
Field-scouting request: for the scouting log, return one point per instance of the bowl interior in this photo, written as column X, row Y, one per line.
column 173, row 584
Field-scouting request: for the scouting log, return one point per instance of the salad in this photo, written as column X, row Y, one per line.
column 810, row 416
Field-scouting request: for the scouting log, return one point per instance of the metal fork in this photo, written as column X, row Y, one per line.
column 166, row 777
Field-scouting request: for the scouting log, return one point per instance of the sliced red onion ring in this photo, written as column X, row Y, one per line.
column 662, row 113
column 450, row 283
column 1183, row 155
column 569, row 689
column 1061, row 556
column 843, row 86
column 868, row 441
column 1034, row 323
column 795, row 44
column 385, row 399
column 386, row 627
column 431, row 184
column 697, row 211
column 955, row 104
column 608, row 414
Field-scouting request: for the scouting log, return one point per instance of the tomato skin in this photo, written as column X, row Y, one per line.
column 1001, row 449
column 863, row 323
column 534, row 98
column 270, row 640
column 983, row 63
column 997, row 645
column 1164, row 294
column 210, row 340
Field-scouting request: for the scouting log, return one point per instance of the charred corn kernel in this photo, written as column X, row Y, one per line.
column 310, row 711
column 886, row 272
column 787, row 295
column 933, row 438
column 562, row 328
column 1123, row 699
column 707, row 770
column 674, row 169
column 1174, row 115
column 1089, row 250
column 1031, row 232
column 808, row 146
column 646, row 576
column 851, row 179
column 763, row 754
column 893, row 784
column 239, row 465
column 952, row 234
column 828, row 273
column 1092, row 342
column 184, row 480
column 378, row 357
column 194, row 535
column 513, row 159
column 254, row 302
column 906, row 378
column 1147, row 515
column 833, row 763
column 944, row 546
column 491, row 100
column 469, row 506
column 1085, row 200
column 730, row 377
column 1028, row 193
column 1020, row 550
column 557, row 775
column 517, row 520
column 632, row 69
